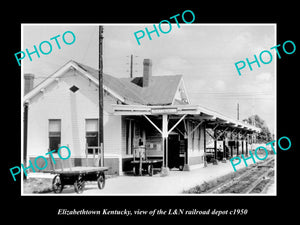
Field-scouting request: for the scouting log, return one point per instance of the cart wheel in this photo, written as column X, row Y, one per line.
column 181, row 167
column 101, row 181
column 150, row 170
column 57, row 185
column 79, row 185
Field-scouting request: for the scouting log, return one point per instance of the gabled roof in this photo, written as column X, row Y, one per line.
column 161, row 90
column 114, row 84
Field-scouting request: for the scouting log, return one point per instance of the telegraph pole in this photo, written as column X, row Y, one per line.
column 25, row 120
column 131, row 65
column 100, row 88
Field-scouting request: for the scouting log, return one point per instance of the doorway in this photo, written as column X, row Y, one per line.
column 176, row 151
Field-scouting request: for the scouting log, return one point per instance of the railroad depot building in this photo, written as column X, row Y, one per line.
column 152, row 111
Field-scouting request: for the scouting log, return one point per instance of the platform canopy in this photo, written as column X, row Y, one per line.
column 195, row 112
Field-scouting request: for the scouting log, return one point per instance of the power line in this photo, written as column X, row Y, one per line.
column 231, row 93
column 226, row 95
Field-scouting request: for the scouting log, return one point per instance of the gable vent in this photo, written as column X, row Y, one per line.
column 74, row 88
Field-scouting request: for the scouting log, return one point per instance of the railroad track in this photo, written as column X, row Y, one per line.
column 254, row 180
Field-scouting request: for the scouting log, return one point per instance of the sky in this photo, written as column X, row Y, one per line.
column 205, row 54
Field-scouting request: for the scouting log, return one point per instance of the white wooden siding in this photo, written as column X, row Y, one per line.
column 58, row 102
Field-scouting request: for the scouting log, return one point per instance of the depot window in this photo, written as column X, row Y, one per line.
column 91, row 135
column 54, row 134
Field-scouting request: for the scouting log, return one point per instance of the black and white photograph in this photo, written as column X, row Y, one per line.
column 174, row 117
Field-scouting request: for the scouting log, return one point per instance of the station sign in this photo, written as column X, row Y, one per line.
column 164, row 110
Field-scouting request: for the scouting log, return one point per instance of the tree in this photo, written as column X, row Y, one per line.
column 265, row 134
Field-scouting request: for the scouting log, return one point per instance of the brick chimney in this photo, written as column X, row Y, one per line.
column 147, row 72
column 28, row 82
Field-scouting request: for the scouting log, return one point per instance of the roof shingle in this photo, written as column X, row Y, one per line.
column 161, row 89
